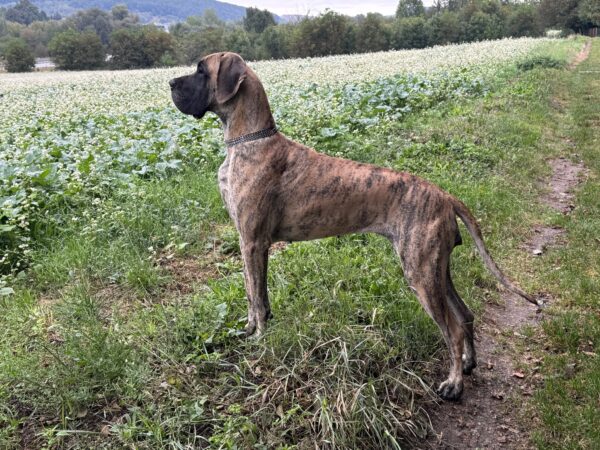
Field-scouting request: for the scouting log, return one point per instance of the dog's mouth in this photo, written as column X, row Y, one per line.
column 186, row 106
column 192, row 102
column 177, row 100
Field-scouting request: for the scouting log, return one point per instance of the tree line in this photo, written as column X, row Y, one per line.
column 94, row 38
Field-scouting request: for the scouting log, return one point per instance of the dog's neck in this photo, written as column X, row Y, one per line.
column 249, row 111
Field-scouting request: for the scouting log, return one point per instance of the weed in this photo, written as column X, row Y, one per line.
column 544, row 62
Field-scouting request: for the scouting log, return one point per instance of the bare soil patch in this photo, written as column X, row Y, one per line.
column 543, row 238
column 565, row 176
column 277, row 247
column 186, row 272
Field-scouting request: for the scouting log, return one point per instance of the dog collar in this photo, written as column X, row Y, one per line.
column 267, row 132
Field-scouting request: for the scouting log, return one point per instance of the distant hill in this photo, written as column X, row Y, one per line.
column 289, row 18
column 157, row 11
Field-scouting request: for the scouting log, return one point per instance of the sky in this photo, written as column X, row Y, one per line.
column 312, row 7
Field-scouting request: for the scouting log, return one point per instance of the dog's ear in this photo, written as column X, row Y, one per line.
column 232, row 72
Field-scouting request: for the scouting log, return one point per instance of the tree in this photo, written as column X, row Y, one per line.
column 94, row 20
column 208, row 19
column 411, row 32
column 119, row 12
column 523, row 21
column 410, row 8
column 559, row 13
column 25, row 13
column 589, row 13
column 456, row 5
column 18, row 56
column 257, row 21
column 72, row 50
column 239, row 41
column 275, row 41
column 372, row 34
column 200, row 43
column 122, row 18
column 328, row 34
column 479, row 27
column 3, row 26
column 445, row 28
column 199, row 36
column 159, row 46
column 126, row 48
column 38, row 35
column 141, row 47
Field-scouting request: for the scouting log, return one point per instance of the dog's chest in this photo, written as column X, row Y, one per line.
column 231, row 173
column 224, row 177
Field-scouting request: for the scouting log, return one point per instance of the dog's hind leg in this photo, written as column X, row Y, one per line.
column 465, row 317
column 426, row 275
column 434, row 302
column 255, row 256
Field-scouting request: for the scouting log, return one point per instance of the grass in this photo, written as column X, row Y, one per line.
column 567, row 404
column 125, row 332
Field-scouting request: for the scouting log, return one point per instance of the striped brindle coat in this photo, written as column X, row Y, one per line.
column 276, row 189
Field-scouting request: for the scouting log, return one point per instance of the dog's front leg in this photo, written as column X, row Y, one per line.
column 255, row 256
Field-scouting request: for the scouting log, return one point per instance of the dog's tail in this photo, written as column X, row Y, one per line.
column 471, row 223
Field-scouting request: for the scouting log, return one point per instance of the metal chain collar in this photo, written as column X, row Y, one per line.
column 267, row 132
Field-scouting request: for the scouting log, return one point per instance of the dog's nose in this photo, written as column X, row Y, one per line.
column 173, row 83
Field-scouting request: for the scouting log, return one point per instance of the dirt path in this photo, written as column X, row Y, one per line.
column 565, row 175
column 582, row 55
column 486, row 418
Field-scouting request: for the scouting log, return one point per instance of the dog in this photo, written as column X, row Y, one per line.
column 276, row 189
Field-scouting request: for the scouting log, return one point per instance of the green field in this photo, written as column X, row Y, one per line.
column 122, row 303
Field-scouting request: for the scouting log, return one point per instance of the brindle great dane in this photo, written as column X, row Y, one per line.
column 276, row 189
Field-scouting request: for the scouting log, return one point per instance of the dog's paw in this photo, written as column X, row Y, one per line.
column 255, row 331
column 468, row 366
column 250, row 329
column 450, row 390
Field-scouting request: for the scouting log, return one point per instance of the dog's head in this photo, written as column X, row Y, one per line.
column 215, row 82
